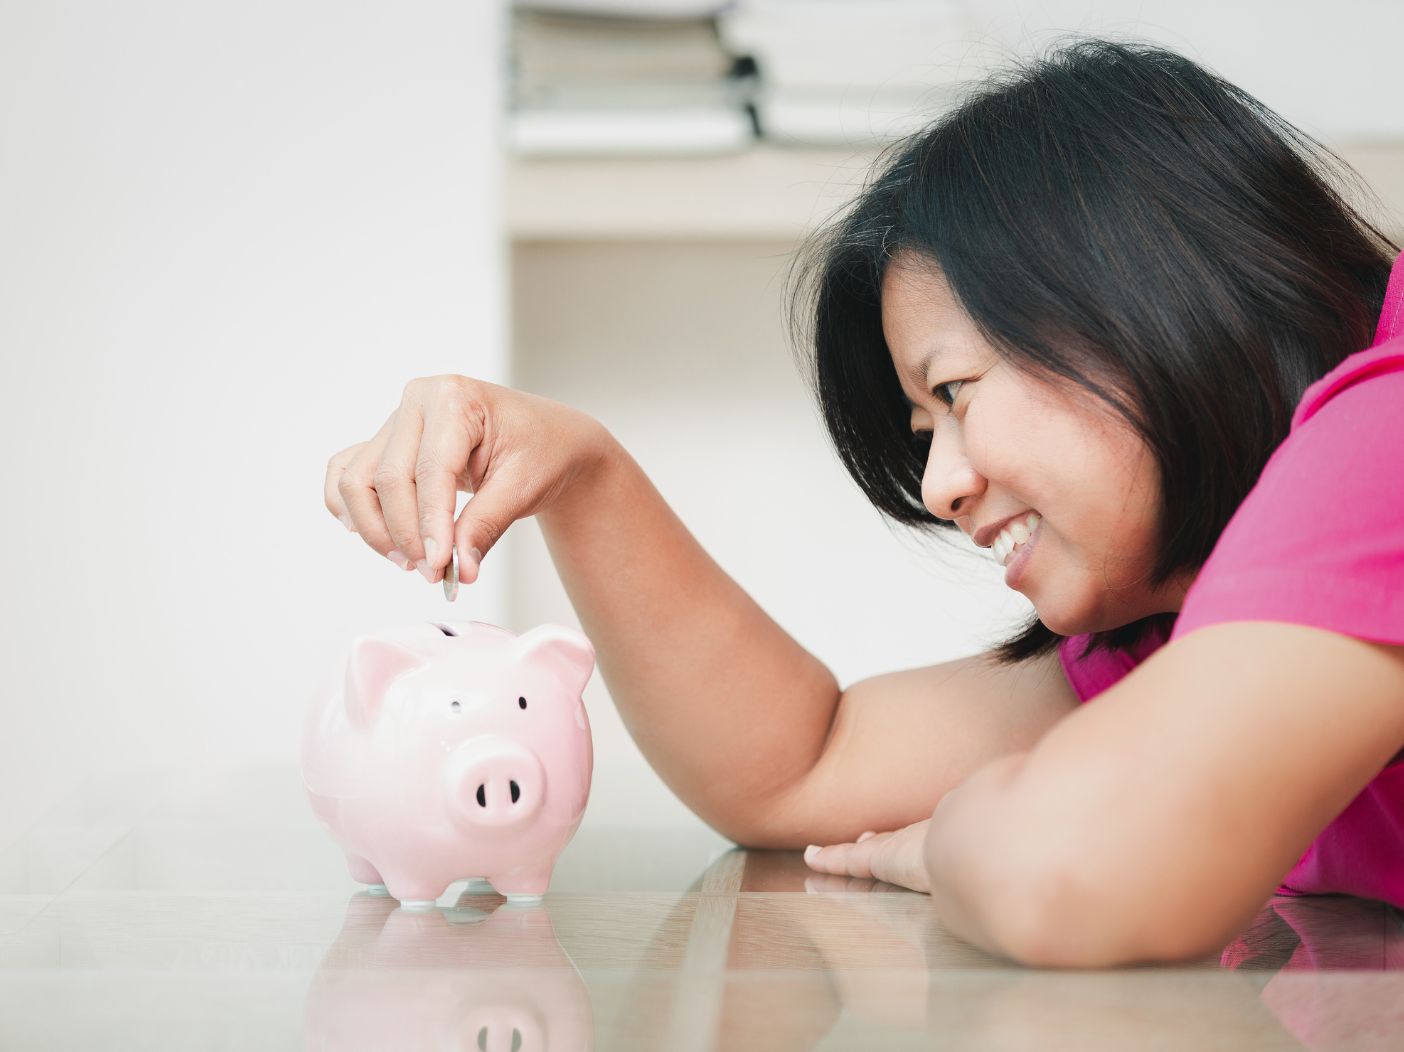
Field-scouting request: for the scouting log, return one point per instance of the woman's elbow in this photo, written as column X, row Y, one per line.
column 1064, row 919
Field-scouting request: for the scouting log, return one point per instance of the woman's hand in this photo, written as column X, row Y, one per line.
column 897, row 858
column 515, row 452
column 901, row 857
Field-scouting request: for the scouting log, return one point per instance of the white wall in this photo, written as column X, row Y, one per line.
column 229, row 234
column 1331, row 68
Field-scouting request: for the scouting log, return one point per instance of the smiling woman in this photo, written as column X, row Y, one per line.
column 1134, row 270
column 1113, row 292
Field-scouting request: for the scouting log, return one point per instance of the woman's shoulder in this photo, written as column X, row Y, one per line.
column 1319, row 540
column 1384, row 361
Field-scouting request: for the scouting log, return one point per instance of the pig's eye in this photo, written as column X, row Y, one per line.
column 521, row 703
column 455, row 707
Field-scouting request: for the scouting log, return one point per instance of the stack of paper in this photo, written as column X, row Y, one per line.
column 855, row 72
column 625, row 78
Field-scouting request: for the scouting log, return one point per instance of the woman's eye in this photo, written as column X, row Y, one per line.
column 947, row 400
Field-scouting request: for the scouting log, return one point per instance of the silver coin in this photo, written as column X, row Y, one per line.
column 451, row 577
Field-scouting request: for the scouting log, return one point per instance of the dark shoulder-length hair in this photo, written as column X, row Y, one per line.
column 1114, row 216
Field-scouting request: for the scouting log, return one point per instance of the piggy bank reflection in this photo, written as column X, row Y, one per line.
column 458, row 978
column 453, row 750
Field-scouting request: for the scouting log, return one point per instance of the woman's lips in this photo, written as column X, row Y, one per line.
column 1015, row 570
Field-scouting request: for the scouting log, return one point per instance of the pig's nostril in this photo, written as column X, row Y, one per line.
column 481, row 793
column 483, row 1039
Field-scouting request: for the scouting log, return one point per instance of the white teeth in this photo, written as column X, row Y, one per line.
column 1013, row 535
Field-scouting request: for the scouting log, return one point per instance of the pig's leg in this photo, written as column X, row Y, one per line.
column 415, row 892
column 363, row 872
column 525, row 886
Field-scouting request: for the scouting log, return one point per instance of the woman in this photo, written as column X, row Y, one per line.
column 1108, row 319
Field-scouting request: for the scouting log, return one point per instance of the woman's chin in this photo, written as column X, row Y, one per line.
column 1062, row 619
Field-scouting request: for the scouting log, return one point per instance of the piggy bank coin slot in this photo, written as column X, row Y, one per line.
column 444, row 629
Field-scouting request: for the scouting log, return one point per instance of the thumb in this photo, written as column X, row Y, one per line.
column 484, row 518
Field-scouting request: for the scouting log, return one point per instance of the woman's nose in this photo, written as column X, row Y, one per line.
column 949, row 478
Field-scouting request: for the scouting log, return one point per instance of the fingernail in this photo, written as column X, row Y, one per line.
column 810, row 852
column 431, row 556
column 398, row 558
column 865, row 837
column 346, row 521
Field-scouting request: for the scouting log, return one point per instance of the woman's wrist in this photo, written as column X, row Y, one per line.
column 599, row 458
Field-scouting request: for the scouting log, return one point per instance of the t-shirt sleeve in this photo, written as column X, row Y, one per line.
column 1320, row 539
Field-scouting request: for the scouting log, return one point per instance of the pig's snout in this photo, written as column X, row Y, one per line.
column 496, row 782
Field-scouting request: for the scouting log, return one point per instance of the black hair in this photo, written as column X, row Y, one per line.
column 1116, row 216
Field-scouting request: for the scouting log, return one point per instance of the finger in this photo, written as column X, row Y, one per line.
column 451, row 433
column 484, row 518
column 843, row 859
column 395, row 482
column 331, row 496
column 356, row 488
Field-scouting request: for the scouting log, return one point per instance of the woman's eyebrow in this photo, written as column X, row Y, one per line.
column 917, row 375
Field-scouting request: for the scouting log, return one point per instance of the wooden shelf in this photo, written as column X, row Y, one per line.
column 767, row 193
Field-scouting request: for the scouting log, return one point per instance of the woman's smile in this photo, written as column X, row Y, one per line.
column 1016, row 565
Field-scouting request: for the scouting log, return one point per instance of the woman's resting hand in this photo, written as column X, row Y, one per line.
column 897, row 857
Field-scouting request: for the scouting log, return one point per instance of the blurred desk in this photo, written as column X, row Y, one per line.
column 210, row 911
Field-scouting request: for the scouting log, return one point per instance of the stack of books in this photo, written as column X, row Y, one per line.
column 855, row 72
column 632, row 77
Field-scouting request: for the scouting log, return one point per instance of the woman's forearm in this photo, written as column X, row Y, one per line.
column 727, row 707
column 1022, row 863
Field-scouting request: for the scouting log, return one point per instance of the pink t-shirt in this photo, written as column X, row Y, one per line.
column 1318, row 541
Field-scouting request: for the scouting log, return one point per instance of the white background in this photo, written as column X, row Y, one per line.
column 229, row 234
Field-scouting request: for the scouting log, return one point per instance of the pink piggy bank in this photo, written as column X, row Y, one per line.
column 452, row 750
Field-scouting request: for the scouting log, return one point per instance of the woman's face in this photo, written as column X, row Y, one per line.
column 1010, row 446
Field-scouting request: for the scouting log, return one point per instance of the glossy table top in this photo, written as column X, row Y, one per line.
column 176, row 910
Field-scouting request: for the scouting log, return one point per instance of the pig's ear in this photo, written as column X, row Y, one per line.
column 374, row 664
column 563, row 650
